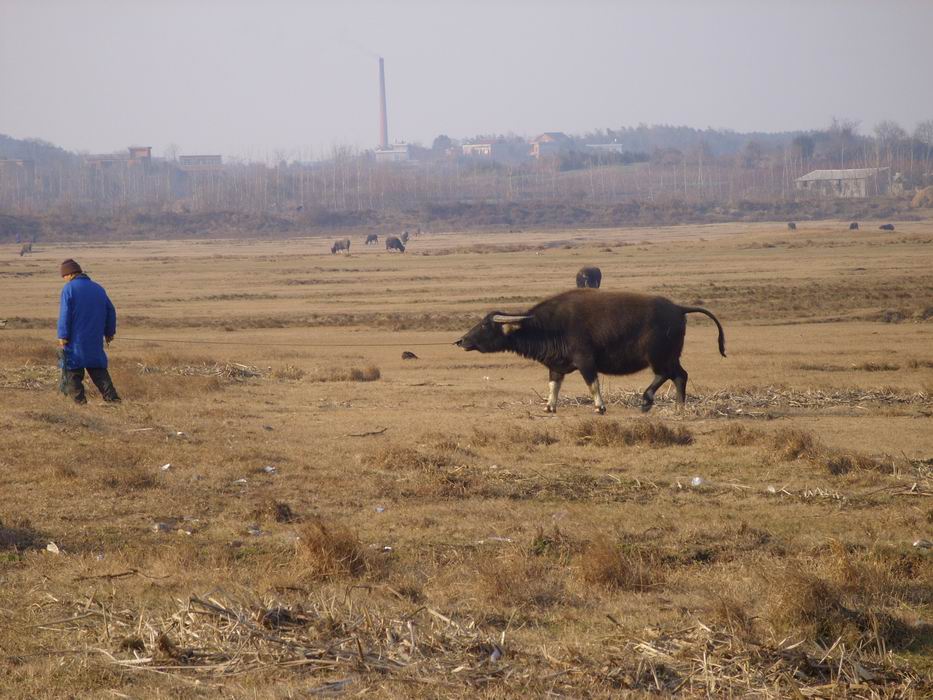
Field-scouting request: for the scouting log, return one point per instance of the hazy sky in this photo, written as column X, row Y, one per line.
column 253, row 78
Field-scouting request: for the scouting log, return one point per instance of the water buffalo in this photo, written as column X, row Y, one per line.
column 853, row 226
column 405, row 236
column 590, row 331
column 393, row 243
column 27, row 248
column 589, row 277
column 887, row 227
column 792, row 226
column 343, row 245
column 372, row 238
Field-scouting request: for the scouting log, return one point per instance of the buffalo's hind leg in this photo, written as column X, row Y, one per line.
column 555, row 379
column 680, row 382
column 648, row 396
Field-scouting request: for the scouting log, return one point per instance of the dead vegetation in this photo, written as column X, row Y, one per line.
column 436, row 533
column 367, row 373
column 605, row 433
column 327, row 551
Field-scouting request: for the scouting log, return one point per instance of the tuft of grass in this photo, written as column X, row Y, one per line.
column 603, row 433
column 838, row 463
column 802, row 603
column 790, row 444
column 920, row 364
column 369, row 373
column 325, row 552
column 731, row 614
column 518, row 579
column 397, row 458
column 876, row 367
column 274, row 511
column 738, row 435
column 289, row 372
column 514, row 436
column 551, row 543
column 606, row 565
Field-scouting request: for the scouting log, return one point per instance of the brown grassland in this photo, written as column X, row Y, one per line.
column 336, row 520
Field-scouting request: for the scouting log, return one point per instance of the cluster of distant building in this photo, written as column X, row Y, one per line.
column 132, row 157
column 142, row 156
column 550, row 143
column 843, row 183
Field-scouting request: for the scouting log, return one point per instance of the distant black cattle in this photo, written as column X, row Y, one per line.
column 393, row 243
column 343, row 245
column 887, row 227
column 405, row 236
column 853, row 226
column 791, row 226
column 372, row 238
column 589, row 277
column 409, row 355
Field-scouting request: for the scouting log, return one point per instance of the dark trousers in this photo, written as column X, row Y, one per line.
column 72, row 383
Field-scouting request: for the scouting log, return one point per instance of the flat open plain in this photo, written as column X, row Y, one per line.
column 337, row 519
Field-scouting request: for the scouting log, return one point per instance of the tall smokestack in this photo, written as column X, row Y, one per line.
column 383, row 118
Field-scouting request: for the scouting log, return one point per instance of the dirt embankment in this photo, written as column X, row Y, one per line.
column 143, row 225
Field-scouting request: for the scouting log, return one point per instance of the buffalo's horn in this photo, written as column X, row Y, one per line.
column 510, row 318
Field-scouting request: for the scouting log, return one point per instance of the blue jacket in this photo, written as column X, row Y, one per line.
column 86, row 316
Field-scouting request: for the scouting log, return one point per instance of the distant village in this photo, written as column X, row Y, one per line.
column 659, row 165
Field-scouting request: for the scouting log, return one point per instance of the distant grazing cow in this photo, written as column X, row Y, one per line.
column 405, row 237
column 343, row 245
column 393, row 243
column 27, row 248
column 589, row 277
column 590, row 331
column 887, row 227
column 853, row 226
column 791, row 226
column 372, row 238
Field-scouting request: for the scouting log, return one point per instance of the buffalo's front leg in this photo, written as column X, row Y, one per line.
column 555, row 379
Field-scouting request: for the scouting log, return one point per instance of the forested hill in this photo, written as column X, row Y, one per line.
column 40, row 151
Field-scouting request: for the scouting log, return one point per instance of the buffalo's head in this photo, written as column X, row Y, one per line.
column 490, row 334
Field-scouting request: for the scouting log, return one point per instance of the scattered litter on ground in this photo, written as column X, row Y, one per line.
column 166, row 467
column 253, row 530
column 239, row 482
column 269, row 469
column 53, row 548
column 380, row 509
column 696, row 481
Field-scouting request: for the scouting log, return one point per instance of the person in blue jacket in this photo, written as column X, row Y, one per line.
column 86, row 319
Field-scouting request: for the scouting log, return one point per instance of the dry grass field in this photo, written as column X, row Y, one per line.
column 284, row 507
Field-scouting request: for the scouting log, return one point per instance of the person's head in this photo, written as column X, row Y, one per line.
column 70, row 269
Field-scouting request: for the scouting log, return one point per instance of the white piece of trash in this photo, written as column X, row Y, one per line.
column 166, row 467
column 696, row 481
column 920, row 544
column 269, row 469
column 53, row 548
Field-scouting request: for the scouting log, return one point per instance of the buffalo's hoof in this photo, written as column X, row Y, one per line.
column 550, row 409
column 600, row 410
column 645, row 407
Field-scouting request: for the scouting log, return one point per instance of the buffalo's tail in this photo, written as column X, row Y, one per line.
column 701, row 310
